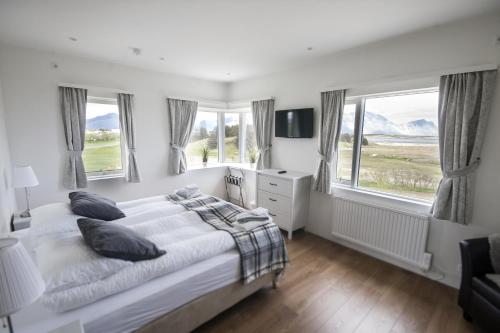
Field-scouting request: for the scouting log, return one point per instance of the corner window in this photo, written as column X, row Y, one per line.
column 103, row 150
column 231, row 137
column 224, row 136
column 204, row 139
column 390, row 144
column 250, row 154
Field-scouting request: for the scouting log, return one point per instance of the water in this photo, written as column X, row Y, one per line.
column 403, row 140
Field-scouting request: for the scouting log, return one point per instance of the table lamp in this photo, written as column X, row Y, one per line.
column 21, row 283
column 25, row 177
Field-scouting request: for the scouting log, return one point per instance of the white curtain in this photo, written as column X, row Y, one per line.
column 262, row 112
column 464, row 103
column 182, row 115
column 126, row 108
column 332, row 107
column 73, row 107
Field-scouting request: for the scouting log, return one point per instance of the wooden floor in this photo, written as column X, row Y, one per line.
column 330, row 288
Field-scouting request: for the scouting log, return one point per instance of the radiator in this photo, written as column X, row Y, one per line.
column 397, row 234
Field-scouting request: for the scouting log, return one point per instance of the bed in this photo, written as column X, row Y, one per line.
column 174, row 301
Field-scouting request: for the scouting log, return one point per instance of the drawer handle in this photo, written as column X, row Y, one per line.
column 273, row 199
column 273, row 184
column 272, row 214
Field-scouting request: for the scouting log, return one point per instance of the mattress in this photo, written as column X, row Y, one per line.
column 133, row 308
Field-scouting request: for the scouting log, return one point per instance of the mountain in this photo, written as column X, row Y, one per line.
column 375, row 123
column 422, row 127
column 107, row 121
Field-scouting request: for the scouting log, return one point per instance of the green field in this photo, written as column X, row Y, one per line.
column 402, row 169
column 231, row 151
column 102, row 155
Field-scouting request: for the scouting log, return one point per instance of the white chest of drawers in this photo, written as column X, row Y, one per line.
column 286, row 196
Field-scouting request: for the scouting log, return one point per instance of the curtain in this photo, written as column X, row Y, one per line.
column 126, row 108
column 464, row 103
column 182, row 115
column 262, row 112
column 73, row 107
column 332, row 107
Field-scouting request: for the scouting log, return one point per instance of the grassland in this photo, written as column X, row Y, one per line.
column 231, row 151
column 402, row 169
column 102, row 156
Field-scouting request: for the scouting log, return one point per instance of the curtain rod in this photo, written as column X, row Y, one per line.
column 251, row 100
column 220, row 104
column 199, row 100
column 450, row 71
column 83, row 86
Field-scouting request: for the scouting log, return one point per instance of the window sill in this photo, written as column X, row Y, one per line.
column 381, row 199
column 102, row 177
column 242, row 166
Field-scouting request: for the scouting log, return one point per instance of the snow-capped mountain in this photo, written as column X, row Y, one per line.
column 422, row 127
column 375, row 123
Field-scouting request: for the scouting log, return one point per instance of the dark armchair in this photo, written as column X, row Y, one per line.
column 479, row 297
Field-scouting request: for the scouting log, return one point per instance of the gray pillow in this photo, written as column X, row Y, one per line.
column 94, row 206
column 116, row 241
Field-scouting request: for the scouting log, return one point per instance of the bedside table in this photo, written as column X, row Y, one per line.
column 19, row 222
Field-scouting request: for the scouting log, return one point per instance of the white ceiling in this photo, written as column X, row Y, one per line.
column 211, row 38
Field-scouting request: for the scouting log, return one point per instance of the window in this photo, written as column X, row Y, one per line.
column 229, row 137
column 346, row 140
column 203, row 138
column 393, row 145
column 102, row 154
column 250, row 143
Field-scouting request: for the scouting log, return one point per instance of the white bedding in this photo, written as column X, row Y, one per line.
column 185, row 237
column 129, row 310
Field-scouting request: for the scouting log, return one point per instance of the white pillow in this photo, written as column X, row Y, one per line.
column 68, row 262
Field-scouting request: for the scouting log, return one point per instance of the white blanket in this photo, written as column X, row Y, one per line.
column 78, row 277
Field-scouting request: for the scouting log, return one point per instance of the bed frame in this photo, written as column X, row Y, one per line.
column 193, row 314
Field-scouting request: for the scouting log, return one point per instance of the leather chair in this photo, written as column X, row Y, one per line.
column 479, row 297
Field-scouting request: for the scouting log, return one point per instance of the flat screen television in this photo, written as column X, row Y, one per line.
column 296, row 123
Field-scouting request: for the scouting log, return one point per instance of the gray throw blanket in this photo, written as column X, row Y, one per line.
column 262, row 250
column 257, row 214
column 494, row 240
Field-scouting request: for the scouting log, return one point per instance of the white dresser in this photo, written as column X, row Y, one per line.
column 286, row 196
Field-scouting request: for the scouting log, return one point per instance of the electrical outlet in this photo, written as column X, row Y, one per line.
column 459, row 268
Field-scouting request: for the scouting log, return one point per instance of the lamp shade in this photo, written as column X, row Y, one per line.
column 24, row 176
column 20, row 281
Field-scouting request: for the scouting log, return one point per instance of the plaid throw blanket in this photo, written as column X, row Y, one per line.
column 262, row 250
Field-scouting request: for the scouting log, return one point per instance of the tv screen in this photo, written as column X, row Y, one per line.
column 297, row 123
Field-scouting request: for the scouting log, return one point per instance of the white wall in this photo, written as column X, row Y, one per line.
column 460, row 44
column 35, row 130
column 7, row 198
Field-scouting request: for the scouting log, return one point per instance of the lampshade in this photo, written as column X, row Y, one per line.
column 20, row 281
column 24, row 176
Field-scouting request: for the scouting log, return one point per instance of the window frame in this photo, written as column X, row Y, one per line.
column 94, row 175
column 353, row 183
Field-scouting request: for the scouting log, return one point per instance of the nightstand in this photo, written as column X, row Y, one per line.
column 19, row 222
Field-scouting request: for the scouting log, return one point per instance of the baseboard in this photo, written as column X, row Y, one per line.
column 441, row 277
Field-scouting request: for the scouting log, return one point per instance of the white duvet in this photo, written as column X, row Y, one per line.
column 76, row 276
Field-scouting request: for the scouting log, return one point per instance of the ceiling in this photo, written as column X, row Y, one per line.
column 224, row 40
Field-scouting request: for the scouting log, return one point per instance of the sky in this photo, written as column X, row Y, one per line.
column 98, row 109
column 405, row 108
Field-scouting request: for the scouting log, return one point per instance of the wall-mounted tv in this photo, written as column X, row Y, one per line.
column 296, row 123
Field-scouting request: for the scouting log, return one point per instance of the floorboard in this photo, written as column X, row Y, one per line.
column 331, row 288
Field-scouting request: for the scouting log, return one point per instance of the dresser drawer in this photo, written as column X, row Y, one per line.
column 275, row 185
column 281, row 220
column 274, row 202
